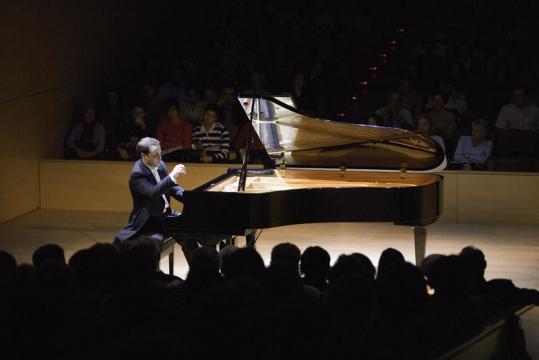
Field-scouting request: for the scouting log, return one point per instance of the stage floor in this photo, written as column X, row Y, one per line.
column 512, row 251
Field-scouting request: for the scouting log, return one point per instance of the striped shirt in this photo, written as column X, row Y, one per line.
column 216, row 141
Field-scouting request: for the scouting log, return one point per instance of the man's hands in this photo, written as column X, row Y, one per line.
column 178, row 169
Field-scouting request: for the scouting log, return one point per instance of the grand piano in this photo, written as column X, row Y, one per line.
column 323, row 171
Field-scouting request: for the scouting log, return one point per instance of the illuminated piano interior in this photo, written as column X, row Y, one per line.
column 284, row 180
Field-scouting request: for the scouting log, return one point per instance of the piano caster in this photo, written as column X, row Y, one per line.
column 420, row 240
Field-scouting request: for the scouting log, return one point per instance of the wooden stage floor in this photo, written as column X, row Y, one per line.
column 512, row 251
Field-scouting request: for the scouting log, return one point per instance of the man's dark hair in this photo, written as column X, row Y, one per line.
column 522, row 87
column 48, row 253
column 440, row 93
column 388, row 258
column 8, row 263
column 315, row 261
column 171, row 102
column 144, row 144
column 244, row 262
column 286, row 252
column 214, row 108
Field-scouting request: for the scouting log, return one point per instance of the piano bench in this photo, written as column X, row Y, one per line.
column 167, row 249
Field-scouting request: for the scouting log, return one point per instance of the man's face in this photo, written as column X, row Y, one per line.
column 89, row 116
column 113, row 98
column 478, row 134
column 210, row 117
column 172, row 112
column 423, row 126
column 148, row 91
column 228, row 95
column 153, row 158
column 519, row 97
column 395, row 101
column 192, row 96
column 438, row 102
column 138, row 113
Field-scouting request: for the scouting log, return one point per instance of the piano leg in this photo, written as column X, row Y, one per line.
column 420, row 240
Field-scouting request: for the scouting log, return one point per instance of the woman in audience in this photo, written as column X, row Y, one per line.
column 424, row 128
column 473, row 151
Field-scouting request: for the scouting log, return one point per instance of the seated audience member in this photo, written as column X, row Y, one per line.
column 234, row 119
column 114, row 120
column 502, row 289
column 192, row 108
column 152, row 104
column 300, row 94
column 87, row 138
column 48, row 253
column 519, row 114
column 175, row 88
column 394, row 115
column 455, row 101
column 8, row 264
column 314, row 264
column 211, row 137
column 463, row 315
column 174, row 132
column 351, row 264
column 424, row 128
column 374, row 120
column 243, row 262
column 473, row 151
column 136, row 129
column 403, row 300
column 286, row 252
column 444, row 123
column 388, row 258
column 411, row 99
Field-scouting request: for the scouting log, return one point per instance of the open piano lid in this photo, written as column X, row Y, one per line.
column 316, row 143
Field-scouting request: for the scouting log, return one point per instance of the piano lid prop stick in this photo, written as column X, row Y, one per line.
column 243, row 172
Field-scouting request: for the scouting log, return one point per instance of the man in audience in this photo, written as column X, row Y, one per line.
column 48, row 253
column 394, row 115
column 502, row 289
column 519, row 114
column 175, row 88
column 151, row 187
column 411, row 99
column 87, row 139
column 192, row 108
column 211, row 137
column 136, row 129
column 444, row 123
column 174, row 132
column 473, row 151
column 152, row 104
column 314, row 264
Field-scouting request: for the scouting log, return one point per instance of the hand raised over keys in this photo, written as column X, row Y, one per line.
column 178, row 169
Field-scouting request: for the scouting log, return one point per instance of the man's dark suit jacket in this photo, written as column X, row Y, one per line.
column 147, row 197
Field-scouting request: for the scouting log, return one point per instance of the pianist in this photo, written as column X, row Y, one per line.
column 151, row 187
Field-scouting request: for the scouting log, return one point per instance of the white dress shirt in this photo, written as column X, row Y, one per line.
column 155, row 174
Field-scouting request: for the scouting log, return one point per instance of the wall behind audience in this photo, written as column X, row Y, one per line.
column 55, row 54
